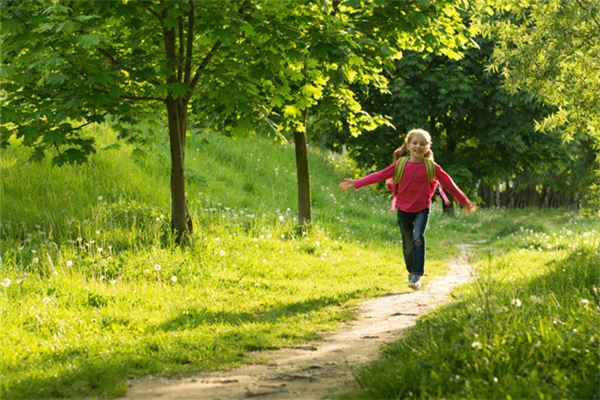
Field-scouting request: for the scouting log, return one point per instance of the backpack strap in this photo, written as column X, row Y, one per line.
column 401, row 163
column 430, row 169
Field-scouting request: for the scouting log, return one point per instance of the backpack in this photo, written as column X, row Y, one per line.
column 429, row 166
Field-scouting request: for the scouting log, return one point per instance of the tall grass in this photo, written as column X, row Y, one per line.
column 527, row 328
column 95, row 292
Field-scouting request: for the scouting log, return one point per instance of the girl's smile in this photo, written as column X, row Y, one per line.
column 417, row 147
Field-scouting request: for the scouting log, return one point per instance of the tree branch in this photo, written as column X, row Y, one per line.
column 180, row 61
column 190, row 44
column 210, row 55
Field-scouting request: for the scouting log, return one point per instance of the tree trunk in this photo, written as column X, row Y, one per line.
column 303, row 177
column 180, row 222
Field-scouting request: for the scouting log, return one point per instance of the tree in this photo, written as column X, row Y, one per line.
column 483, row 135
column 231, row 64
column 551, row 49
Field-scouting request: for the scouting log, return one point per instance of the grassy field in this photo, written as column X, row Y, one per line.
column 526, row 329
column 94, row 291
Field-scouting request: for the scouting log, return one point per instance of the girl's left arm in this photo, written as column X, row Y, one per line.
column 451, row 187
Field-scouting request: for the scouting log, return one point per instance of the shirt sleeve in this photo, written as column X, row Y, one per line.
column 375, row 177
column 449, row 185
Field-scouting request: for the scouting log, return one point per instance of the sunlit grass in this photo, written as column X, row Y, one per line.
column 527, row 328
column 94, row 291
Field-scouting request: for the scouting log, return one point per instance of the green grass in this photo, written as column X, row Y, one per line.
column 527, row 328
column 94, row 291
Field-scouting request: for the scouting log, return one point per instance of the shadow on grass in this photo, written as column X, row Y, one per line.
column 193, row 341
column 192, row 318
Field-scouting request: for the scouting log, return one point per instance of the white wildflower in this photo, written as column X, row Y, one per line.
column 516, row 303
column 476, row 345
column 585, row 302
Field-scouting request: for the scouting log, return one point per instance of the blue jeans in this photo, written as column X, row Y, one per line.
column 412, row 228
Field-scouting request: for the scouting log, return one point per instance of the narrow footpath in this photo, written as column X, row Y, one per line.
column 322, row 369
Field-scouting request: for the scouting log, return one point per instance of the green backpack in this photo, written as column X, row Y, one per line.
column 402, row 163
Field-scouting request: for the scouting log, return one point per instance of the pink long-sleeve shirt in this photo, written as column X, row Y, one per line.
column 414, row 191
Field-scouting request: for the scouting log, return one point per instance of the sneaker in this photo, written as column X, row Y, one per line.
column 410, row 278
column 415, row 282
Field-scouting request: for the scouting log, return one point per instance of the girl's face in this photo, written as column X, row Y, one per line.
column 418, row 146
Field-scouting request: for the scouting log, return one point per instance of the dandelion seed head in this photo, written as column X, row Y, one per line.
column 516, row 303
column 100, row 198
column 221, row 252
column 476, row 345
column 157, row 267
column 69, row 263
column 173, row 278
column 6, row 282
column 35, row 260
column 585, row 302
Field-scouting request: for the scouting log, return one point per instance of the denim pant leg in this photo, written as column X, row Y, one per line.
column 412, row 228
column 406, row 223
column 420, row 225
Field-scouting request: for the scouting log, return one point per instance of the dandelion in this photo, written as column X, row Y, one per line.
column 100, row 250
column 495, row 380
column 282, row 236
column 113, row 281
column 585, row 302
column 69, row 263
column 35, row 260
column 476, row 345
column 281, row 218
column 173, row 278
column 46, row 300
column 6, row 282
column 516, row 302
column 98, row 231
column 221, row 252
column 217, row 239
column 100, row 198
column 264, row 261
column 157, row 267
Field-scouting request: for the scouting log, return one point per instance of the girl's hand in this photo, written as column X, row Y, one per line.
column 470, row 207
column 346, row 184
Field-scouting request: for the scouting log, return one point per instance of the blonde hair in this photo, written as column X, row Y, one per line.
column 403, row 150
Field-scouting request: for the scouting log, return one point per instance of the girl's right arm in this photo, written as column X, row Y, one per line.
column 379, row 176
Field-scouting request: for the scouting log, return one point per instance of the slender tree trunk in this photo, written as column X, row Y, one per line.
column 180, row 222
column 303, row 177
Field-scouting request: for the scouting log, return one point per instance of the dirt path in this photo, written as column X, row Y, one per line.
column 320, row 370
